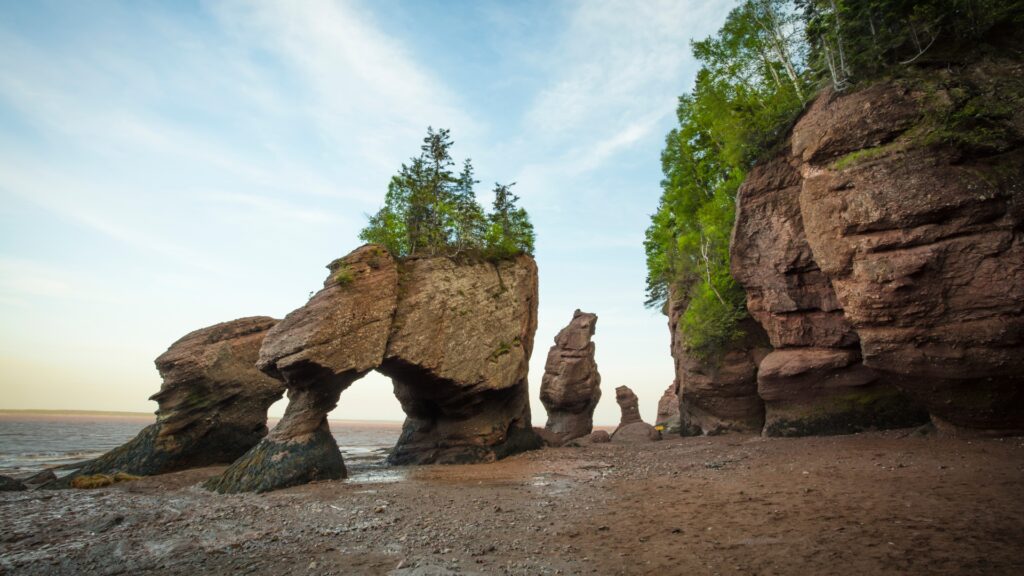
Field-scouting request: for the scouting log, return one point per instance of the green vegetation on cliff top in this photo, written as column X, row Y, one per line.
column 770, row 58
column 431, row 210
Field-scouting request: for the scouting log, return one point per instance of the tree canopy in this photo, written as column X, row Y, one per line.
column 429, row 209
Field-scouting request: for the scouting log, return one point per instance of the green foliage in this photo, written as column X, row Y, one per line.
column 747, row 92
column 852, row 41
column 429, row 209
column 342, row 276
column 757, row 73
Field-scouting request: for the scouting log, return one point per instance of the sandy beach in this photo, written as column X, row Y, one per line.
column 893, row 502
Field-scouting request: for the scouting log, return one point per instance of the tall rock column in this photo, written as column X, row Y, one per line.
column 318, row 351
column 571, row 386
column 814, row 381
column 213, row 404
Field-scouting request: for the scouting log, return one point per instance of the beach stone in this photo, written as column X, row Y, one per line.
column 571, row 386
column 8, row 484
column 212, row 405
column 548, row 437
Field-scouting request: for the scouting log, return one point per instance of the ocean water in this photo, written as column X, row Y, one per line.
column 30, row 442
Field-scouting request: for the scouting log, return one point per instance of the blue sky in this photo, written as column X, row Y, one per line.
column 167, row 166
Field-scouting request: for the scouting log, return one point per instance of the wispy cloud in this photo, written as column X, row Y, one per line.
column 618, row 69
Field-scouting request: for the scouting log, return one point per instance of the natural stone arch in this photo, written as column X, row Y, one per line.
column 454, row 337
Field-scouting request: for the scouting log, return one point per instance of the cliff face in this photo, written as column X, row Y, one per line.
column 213, row 404
column 718, row 395
column 883, row 253
column 455, row 338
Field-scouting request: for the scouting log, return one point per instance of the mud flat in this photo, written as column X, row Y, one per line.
column 892, row 502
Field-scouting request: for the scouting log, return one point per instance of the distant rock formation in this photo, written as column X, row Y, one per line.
column 212, row 404
column 571, row 386
column 632, row 428
column 455, row 338
column 668, row 411
column 629, row 404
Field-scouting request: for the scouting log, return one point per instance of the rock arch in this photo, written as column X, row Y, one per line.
column 455, row 337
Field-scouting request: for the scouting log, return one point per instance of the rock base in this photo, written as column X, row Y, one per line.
column 272, row 465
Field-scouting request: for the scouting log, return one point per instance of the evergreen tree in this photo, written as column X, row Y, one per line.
column 430, row 210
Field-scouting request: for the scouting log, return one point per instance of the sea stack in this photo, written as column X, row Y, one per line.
column 213, row 404
column 632, row 428
column 571, row 386
column 454, row 337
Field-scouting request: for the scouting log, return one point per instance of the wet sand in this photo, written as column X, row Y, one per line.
column 877, row 503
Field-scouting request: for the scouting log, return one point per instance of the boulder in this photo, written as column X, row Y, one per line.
column 571, row 386
column 454, row 336
column 40, row 478
column 599, row 437
column 8, row 484
column 212, row 405
column 548, row 437
column 814, row 382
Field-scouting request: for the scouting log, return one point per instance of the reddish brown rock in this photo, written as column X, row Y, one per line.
column 632, row 428
column 318, row 351
column 814, row 382
column 600, row 437
column 213, row 404
column 635, row 433
column 455, row 338
column 718, row 395
column 919, row 224
column 548, row 437
column 668, row 411
column 459, row 356
column 571, row 386
column 629, row 404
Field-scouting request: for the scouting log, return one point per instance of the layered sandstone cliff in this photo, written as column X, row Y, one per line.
column 883, row 253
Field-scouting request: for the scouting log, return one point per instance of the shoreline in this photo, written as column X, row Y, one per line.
column 892, row 502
